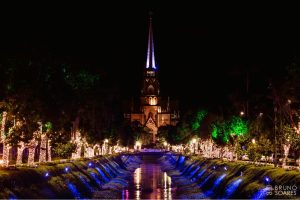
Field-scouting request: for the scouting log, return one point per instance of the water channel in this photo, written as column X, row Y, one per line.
column 149, row 182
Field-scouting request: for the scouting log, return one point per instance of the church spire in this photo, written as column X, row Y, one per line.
column 150, row 63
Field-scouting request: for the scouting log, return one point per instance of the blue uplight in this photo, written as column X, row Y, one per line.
column 262, row 193
column 12, row 196
column 214, row 167
column 231, row 189
column 74, row 191
column 90, row 164
column 225, row 168
column 267, row 180
column 47, row 174
column 67, row 169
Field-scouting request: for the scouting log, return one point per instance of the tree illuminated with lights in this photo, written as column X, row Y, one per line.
column 219, row 134
column 237, row 126
column 200, row 115
column 225, row 131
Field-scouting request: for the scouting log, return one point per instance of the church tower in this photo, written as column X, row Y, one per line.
column 154, row 111
column 150, row 91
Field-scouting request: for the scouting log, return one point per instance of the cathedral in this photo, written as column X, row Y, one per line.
column 153, row 110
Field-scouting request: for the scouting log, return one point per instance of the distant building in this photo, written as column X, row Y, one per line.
column 153, row 111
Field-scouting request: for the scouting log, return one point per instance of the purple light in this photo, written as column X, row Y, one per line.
column 90, row 164
column 225, row 168
column 47, row 174
column 214, row 167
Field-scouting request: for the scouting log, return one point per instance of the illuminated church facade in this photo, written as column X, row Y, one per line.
column 153, row 111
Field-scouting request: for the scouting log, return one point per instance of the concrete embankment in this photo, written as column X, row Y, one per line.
column 106, row 177
column 69, row 180
column 198, row 178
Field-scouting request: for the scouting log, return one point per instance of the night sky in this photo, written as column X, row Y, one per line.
column 202, row 51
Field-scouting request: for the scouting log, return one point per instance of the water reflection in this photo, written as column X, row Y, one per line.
column 149, row 182
column 137, row 182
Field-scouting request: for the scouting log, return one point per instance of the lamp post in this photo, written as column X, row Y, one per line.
column 165, row 145
column 138, row 145
column 242, row 113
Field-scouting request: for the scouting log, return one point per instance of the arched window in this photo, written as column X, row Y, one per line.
column 150, row 89
column 150, row 100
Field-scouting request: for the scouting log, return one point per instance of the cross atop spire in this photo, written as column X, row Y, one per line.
column 150, row 63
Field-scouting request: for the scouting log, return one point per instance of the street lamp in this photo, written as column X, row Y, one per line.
column 242, row 113
column 138, row 145
column 165, row 145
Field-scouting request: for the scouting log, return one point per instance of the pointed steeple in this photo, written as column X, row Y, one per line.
column 150, row 63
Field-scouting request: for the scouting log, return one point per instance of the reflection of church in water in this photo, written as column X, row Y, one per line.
column 153, row 111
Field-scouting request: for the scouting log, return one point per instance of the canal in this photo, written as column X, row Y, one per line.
column 149, row 182
column 151, row 176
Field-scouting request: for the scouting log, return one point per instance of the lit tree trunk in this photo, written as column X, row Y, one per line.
column 286, row 148
column 222, row 152
column 210, row 149
column 20, row 153
column 49, row 151
column 88, row 151
column 31, row 150
column 76, row 138
column 5, row 158
column 235, row 151
column 78, row 143
column 297, row 129
column 96, row 150
column 74, row 130
column 3, row 123
column 231, row 154
column 43, row 149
